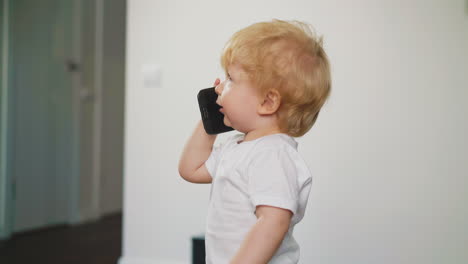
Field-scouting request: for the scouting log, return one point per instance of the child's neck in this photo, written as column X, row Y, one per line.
column 261, row 132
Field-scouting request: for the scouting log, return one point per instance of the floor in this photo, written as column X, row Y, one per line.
column 93, row 243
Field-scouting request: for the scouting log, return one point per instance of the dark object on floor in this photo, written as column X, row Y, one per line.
column 198, row 250
column 94, row 243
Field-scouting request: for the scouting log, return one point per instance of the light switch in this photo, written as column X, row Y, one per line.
column 152, row 74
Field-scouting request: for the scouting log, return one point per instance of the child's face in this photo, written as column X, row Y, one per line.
column 238, row 99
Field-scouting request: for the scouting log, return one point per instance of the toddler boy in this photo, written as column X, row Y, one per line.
column 277, row 80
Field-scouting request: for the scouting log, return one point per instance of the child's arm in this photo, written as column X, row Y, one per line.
column 196, row 152
column 265, row 237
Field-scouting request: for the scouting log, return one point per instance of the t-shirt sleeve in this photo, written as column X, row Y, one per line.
column 273, row 180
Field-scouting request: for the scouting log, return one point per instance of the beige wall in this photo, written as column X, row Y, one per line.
column 388, row 153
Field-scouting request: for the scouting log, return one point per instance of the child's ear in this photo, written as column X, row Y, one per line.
column 270, row 103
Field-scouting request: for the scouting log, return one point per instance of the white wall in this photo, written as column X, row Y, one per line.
column 388, row 153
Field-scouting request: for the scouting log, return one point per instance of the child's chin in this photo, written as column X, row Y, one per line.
column 227, row 122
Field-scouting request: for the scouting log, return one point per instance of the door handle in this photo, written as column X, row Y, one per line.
column 72, row 66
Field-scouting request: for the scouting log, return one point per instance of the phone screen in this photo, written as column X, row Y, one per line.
column 212, row 118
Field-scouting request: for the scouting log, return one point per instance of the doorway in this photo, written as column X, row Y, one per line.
column 56, row 167
column 41, row 37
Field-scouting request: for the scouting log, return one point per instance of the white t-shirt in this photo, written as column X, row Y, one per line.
column 265, row 171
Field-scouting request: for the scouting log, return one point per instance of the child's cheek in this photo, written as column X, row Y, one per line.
column 227, row 86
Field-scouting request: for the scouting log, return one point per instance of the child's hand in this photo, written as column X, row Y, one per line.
column 197, row 150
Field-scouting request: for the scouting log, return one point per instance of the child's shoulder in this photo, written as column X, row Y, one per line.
column 281, row 142
column 279, row 152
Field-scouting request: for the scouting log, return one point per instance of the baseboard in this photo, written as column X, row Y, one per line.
column 87, row 215
column 134, row 260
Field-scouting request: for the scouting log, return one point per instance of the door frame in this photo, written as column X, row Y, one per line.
column 97, row 132
column 6, row 193
column 74, row 215
column 82, row 211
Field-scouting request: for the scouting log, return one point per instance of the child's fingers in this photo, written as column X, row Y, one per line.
column 218, row 81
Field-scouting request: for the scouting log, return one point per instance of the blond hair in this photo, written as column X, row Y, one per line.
column 288, row 57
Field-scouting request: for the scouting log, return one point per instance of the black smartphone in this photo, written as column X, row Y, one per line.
column 212, row 118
